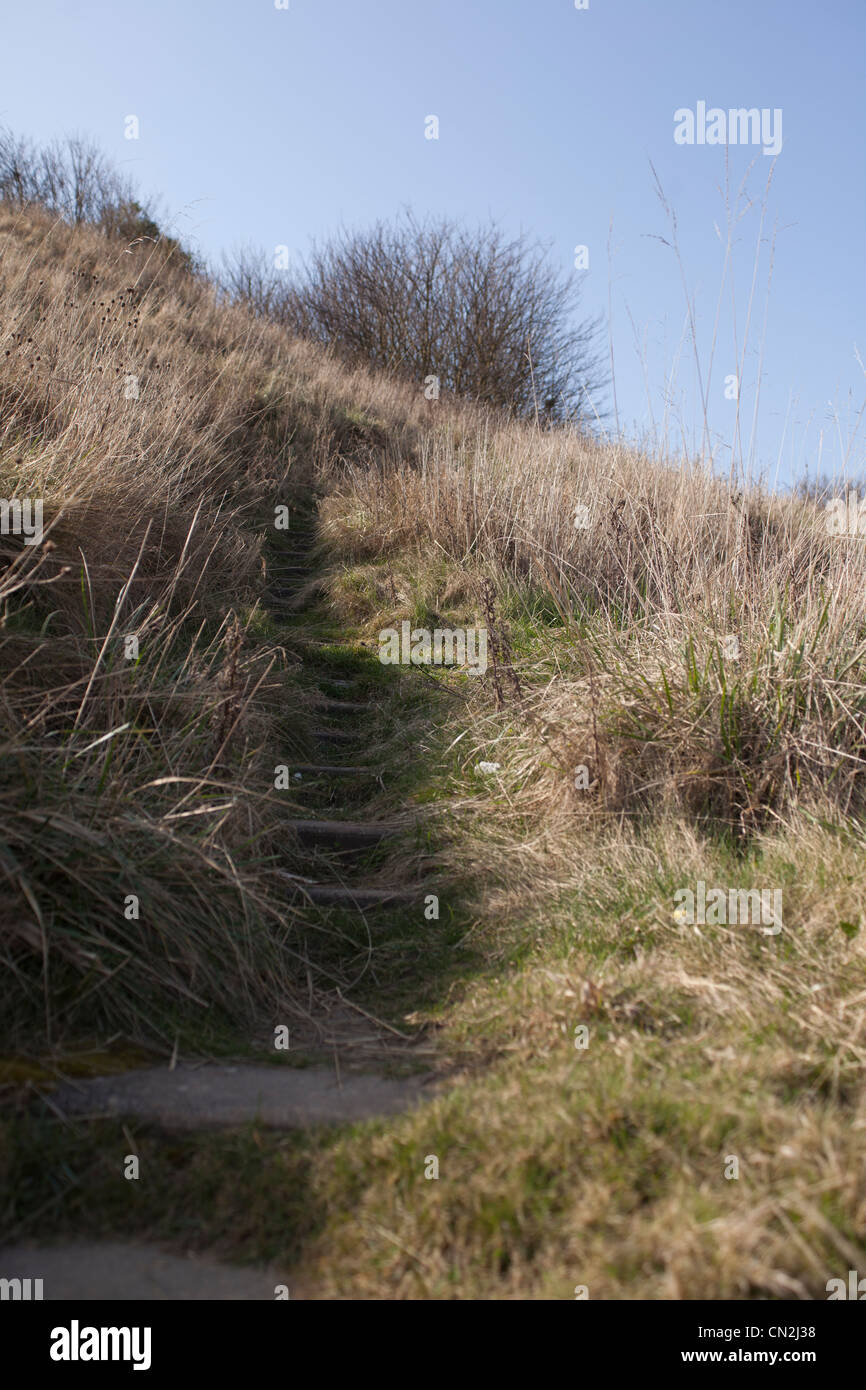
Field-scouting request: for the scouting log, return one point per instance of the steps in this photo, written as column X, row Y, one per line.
column 208, row 1096
column 289, row 575
column 332, row 770
column 214, row 1096
column 340, row 895
column 342, row 707
column 343, row 835
column 122, row 1271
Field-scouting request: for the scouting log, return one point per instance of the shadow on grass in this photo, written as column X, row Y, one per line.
column 243, row 1194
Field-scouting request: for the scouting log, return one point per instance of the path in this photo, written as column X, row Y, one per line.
column 209, row 1095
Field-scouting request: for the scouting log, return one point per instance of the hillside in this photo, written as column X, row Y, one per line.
column 621, row 1097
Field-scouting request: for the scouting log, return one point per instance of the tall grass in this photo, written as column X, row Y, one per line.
column 139, row 830
column 725, row 627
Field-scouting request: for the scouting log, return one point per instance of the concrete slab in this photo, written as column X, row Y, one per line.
column 212, row 1096
column 127, row 1272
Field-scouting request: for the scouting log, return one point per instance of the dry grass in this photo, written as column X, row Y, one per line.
column 712, row 640
column 160, row 427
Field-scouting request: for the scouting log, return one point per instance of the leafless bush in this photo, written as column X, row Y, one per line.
column 71, row 177
column 487, row 316
column 245, row 277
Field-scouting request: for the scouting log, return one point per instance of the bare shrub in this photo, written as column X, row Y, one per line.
column 486, row 315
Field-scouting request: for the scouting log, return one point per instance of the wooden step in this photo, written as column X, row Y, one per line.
column 341, row 706
column 326, row 770
column 342, row 834
column 336, row 895
column 333, row 736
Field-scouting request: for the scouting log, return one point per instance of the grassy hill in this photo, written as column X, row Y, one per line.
column 675, row 696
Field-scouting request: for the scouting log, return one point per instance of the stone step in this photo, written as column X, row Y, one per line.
column 340, row 834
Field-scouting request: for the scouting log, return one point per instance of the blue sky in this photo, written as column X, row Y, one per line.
column 277, row 125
